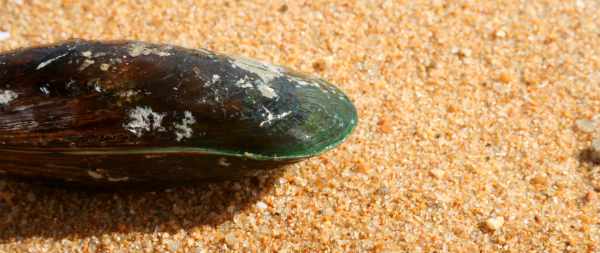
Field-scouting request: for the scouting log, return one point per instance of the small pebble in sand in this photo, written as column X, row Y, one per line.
column 596, row 144
column 437, row 173
column 589, row 197
column 585, row 125
column 539, row 181
column 494, row 223
column 319, row 65
column 4, row 35
column 596, row 149
column 282, row 181
column 283, row 8
column 384, row 126
column 505, row 77
column 261, row 205
column 231, row 239
column 500, row 34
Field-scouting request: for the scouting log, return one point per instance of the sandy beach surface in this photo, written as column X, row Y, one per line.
column 476, row 126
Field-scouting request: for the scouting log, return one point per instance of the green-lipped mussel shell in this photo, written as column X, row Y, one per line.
column 118, row 110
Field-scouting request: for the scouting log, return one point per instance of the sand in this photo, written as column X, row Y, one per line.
column 475, row 133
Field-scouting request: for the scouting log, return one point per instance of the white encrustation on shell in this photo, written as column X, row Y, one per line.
column 87, row 54
column 45, row 90
column 223, row 162
column 184, row 129
column 301, row 82
column 104, row 67
column 47, row 62
column 138, row 48
column 215, row 78
column 128, row 93
column 265, row 72
column 143, row 119
column 117, row 179
column 244, row 82
column 86, row 63
column 270, row 117
column 100, row 174
column 95, row 83
column 95, row 174
column 266, row 91
column 6, row 96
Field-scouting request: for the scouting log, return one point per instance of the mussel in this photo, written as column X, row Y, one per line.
column 113, row 112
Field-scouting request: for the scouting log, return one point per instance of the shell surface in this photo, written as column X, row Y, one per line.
column 120, row 111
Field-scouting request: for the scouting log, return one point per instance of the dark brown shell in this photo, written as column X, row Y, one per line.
column 120, row 111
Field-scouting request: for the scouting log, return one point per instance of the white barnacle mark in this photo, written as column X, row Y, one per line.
column 137, row 49
column 45, row 90
column 95, row 84
column 302, row 82
column 104, row 67
column 128, row 93
column 160, row 53
column 215, row 79
column 70, row 83
column 270, row 117
column 6, row 96
column 223, row 162
column 244, row 82
column 197, row 72
column 87, row 54
column 183, row 129
column 267, row 91
column 97, row 88
column 143, row 119
column 100, row 54
column 45, row 63
column 333, row 90
column 205, row 52
column 115, row 60
column 300, row 134
column 117, row 179
column 266, row 72
column 95, row 174
column 86, row 63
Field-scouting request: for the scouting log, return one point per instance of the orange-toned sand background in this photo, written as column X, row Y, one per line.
column 473, row 121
